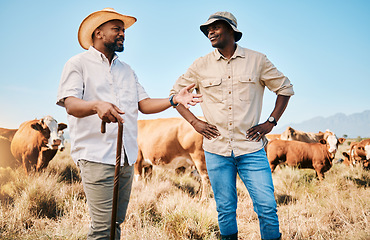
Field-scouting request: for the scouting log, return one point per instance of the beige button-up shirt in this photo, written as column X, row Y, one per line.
column 232, row 95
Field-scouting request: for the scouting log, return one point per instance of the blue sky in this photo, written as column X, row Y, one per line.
column 322, row 46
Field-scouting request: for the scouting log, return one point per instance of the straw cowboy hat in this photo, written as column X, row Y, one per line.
column 224, row 16
column 95, row 19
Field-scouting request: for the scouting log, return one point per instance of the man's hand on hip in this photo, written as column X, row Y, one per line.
column 257, row 132
column 207, row 130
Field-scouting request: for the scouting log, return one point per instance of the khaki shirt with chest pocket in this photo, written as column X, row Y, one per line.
column 232, row 96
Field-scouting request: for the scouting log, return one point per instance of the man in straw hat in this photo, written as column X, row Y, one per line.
column 96, row 86
column 232, row 81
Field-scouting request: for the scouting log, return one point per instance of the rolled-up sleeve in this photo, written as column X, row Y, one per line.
column 274, row 80
column 186, row 79
column 71, row 83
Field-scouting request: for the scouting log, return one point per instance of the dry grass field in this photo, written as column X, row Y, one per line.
column 52, row 205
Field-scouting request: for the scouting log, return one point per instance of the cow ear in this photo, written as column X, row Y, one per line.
column 322, row 141
column 37, row 126
column 341, row 140
column 62, row 126
column 345, row 154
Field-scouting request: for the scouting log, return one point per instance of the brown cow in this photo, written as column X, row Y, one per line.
column 6, row 156
column 7, row 133
column 354, row 155
column 171, row 143
column 36, row 142
column 357, row 154
column 271, row 136
column 347, row 159
column 363, row 151
column 290, row 134
column 302, row 155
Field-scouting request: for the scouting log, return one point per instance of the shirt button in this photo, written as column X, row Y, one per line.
column 228, row 77
column 229, row 92
column 230, row 108
column 230, row 124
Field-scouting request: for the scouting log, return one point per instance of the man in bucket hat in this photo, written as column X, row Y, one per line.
column 232, row 81
column 96, row 86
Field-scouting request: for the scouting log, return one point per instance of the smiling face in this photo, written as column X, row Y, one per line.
column 112, row 35
column 220, row 34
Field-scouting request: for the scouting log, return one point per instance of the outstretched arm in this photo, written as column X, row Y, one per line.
column 184, row 97
column 257, row 132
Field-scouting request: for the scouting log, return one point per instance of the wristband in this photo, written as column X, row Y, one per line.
column 171, row 101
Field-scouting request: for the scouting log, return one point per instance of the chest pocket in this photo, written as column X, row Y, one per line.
column 247, row 87
column 212, row 90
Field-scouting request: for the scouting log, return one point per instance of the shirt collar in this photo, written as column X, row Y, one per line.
column 238, row 53
column 100, row 55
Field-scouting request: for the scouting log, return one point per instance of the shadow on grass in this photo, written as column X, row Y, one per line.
column 189, row 189
column 284, row 199
column 364, row 181
column 69, row 175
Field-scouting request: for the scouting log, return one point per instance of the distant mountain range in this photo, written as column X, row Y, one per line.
column 354, row 125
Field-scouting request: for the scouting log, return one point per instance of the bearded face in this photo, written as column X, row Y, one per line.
column 112, row 35
column 117, row 45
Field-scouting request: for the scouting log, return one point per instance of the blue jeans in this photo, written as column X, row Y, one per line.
column 254, row 170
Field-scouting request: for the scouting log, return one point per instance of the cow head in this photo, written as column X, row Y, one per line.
column 347, row 158
column 289, row 134
column 61, row 126
column 332, row 141
column 332, row 144
column 49, row 128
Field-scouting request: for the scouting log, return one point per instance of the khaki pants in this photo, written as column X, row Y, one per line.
column 98, row 180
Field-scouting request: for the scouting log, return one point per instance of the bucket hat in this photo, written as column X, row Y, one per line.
column 224, row 16
column 95, row 19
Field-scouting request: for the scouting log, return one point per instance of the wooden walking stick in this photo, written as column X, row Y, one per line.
column 116, row 178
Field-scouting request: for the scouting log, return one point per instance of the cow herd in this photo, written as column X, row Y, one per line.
column 173, row 143
column 304, row 150
column 358, row 153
